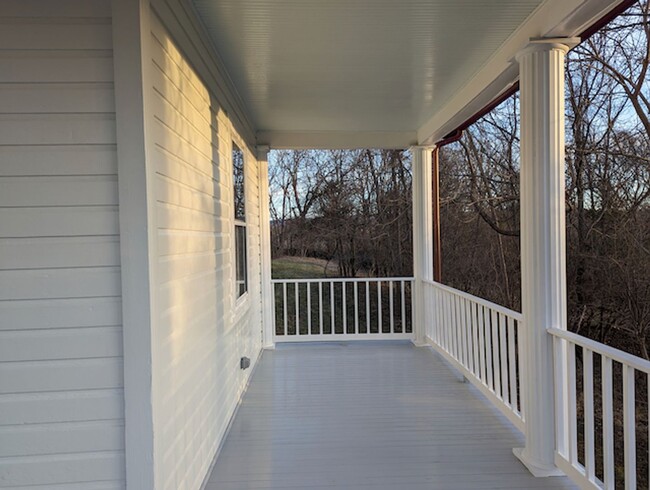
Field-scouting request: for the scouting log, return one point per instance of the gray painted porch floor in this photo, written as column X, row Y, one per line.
column 369, row 415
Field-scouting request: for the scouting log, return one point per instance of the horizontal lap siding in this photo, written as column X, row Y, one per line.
column 251, row 326
column 200, row 336
column 61, row 398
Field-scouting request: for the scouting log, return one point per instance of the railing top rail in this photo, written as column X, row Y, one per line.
column 615, row 354
column 343, row 279
column 515, row 315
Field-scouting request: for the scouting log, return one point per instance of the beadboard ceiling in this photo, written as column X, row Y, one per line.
column 359, row 65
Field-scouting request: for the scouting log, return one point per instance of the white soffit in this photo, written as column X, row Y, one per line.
column 393, row 70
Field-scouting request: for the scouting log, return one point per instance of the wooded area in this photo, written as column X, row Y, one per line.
column 354, row 207
column 349, row 207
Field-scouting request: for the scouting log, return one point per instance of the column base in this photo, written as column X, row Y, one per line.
column 420, row 343
column 269, row 347
column 536, row 469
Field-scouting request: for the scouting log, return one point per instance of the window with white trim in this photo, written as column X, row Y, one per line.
column 241, row 266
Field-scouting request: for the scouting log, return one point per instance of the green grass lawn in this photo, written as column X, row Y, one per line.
column 300, row 268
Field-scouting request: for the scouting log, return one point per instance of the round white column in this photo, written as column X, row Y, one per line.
column 422, row 238
column 543, row 241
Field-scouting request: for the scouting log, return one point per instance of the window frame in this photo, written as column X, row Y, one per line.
column 239, row 222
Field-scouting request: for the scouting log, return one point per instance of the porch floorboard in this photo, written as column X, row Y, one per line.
column 367, row 415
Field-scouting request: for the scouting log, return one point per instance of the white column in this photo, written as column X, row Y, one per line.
column 268, row 299
column 422, row 238
column 543, row 248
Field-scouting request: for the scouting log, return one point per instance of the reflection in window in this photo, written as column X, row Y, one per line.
column 238, row 181
column 240, row 249
column 241, row 273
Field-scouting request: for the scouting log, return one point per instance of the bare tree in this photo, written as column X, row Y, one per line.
column 351, row 207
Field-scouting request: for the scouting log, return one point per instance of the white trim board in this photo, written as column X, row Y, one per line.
column 137, row 234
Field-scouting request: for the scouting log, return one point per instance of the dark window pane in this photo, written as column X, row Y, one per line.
column 238, row 181
column 240, row 252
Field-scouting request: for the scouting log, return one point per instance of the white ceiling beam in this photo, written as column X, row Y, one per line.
column 327, row 140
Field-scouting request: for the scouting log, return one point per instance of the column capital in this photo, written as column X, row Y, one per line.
column 262, row 151
column 421, row 147
column 537, row 44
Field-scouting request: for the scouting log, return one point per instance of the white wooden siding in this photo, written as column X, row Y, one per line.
column 201, row 331
column 61, row 399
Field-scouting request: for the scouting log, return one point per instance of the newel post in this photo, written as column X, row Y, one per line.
column 422, row 239
column 268, row 298
column 543, row 244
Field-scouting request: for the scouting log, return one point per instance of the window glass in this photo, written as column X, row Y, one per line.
column 238, row 182
column 240, row 248
column 241, row 273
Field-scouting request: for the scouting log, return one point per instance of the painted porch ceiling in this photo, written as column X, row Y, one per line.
column 355, row 65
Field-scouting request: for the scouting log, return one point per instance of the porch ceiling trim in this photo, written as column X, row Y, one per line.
column 326, row 140
column 554, row 18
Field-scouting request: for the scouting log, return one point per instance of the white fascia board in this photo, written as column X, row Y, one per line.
column 327, row 140
column 553, row 18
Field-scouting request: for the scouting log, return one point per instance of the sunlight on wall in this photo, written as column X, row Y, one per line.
column 199, row 334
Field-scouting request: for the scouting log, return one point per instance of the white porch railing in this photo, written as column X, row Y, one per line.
column 617, row 374
column 595, row 389
column 481, row 339
column 342, row 309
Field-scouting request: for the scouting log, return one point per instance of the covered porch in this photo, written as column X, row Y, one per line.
column 137, row 288
column 361, row 415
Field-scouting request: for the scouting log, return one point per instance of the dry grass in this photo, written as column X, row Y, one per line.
column 288, row 267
